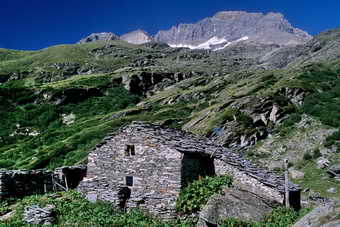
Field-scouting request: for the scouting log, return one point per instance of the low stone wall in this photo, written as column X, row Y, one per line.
column 259, row 181
column 247, row 183
column 20, row 183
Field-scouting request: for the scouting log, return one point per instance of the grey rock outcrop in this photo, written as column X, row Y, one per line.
column 39, row 216
column 271, row 28
column 325, row 215
column 335, row 168
column 334, row 171
column 234, row 203
column 323, row 47
column 137, row 37
column 103, row 36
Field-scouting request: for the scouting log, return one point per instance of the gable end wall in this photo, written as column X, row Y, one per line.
column 156, row 172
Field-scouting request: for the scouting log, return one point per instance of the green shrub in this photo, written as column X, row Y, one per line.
column 279, row 217
column 316, row 153
column 307, row 156
column 323, row 84
column 196, row 195
column 234, row 222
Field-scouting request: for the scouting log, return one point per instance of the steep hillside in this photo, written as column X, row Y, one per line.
column 58, row 103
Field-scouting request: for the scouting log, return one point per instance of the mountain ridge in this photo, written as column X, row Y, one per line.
column 225, row 28
column 270, row 28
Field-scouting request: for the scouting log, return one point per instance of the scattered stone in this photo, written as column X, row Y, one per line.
column 332, row 190
column 39, row 216
column 69, row 118
column 335, row 168
column 334, row 171
column 306, row 190
column 295, row 174
column 234, row 203
column 7, row 216
column 322, row 163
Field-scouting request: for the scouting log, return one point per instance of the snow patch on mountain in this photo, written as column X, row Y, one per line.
column 210, row 44
column 206, row 45
column 234, row 42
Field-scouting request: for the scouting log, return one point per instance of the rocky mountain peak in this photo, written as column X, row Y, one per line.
column 104, row 36
column 225, row 15
column 137, row 37
column 226, row 27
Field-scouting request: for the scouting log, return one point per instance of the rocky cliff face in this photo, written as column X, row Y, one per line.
column 137, row 37
column 226, row 27
column 99, row 36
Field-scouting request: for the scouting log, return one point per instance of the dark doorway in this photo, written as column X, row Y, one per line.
column 72, row 176
column 124, row 194
column 195, row 167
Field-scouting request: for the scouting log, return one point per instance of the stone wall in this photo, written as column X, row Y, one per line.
column 259, row 181
column 156, row 172
column 20, row 183
column 248, row 183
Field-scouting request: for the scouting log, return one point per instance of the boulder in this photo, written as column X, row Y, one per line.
column 325, row 215
column 332, row 190
column 335, row 168
column 7, row 216
column 334, row 171
column 68, row 119
column 35, row 215
column 234, row 203
column 322, row 163
column 295, row 174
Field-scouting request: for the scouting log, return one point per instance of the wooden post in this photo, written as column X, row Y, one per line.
column 44, row 180
column 286, row 183
column 53, row 184
column 66, row 183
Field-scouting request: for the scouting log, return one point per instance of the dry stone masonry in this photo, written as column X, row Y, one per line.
column 146, row 166
column 20, row 183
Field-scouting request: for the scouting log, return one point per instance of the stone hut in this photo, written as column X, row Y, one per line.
column 145, row 165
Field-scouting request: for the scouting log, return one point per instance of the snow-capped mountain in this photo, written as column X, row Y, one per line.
column 220, row 31
column 229, row 26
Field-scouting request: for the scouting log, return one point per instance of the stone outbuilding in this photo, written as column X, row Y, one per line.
column 145, row 166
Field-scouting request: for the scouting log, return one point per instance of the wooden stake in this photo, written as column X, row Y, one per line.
column 66, row 184
column 53, row 184
column 286, row 183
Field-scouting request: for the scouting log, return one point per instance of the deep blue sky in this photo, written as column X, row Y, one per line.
column 35, row 24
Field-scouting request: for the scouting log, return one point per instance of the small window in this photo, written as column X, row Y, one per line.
column 130, row 150
column 129, row 180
